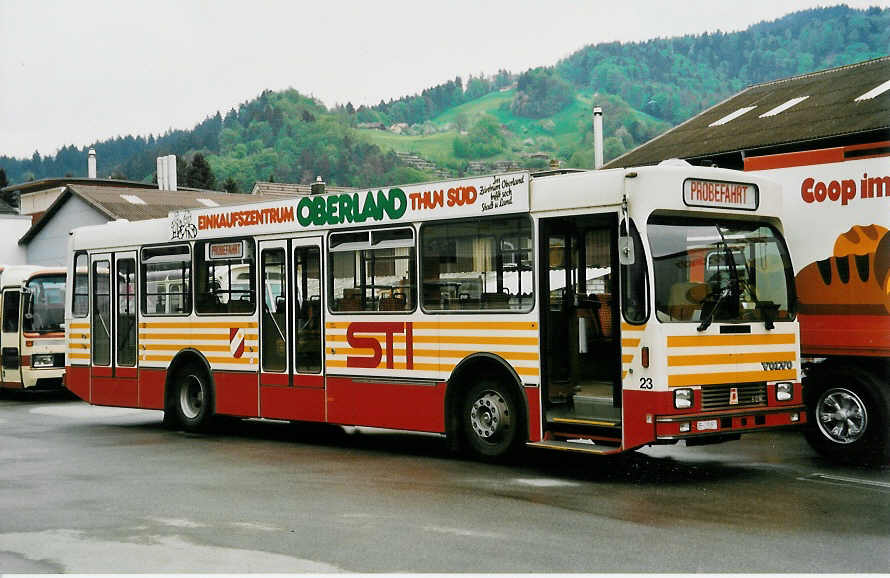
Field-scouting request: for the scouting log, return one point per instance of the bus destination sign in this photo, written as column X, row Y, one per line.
column 471, row 197
column 720, row 195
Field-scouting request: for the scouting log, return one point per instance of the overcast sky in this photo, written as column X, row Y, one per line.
column 73, row 72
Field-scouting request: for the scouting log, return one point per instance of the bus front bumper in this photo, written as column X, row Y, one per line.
column 722, row 423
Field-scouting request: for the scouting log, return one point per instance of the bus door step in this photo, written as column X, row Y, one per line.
column 575, row 446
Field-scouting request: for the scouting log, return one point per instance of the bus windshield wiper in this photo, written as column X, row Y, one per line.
column 733, row 283
column 706, row 322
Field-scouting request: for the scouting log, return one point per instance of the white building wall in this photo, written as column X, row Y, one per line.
column 38, row 201
column 13, row 227
column 50, row 245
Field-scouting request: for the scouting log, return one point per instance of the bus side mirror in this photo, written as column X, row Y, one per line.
column 625, row 250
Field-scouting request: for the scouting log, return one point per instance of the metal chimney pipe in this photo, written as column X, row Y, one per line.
column 91, row 164
column 597, row 137
column 171, row 172
column 162, row 173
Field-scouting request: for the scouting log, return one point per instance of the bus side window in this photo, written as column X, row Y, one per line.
column 166, row 280
column 80, row 300
column 478, row 264
column 635, row 282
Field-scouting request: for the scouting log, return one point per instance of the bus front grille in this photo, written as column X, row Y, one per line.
column 715, row 397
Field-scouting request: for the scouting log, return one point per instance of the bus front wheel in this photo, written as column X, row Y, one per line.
column 192, row 398
column 491, row 420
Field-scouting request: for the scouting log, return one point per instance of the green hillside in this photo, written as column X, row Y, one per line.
column 461, row 127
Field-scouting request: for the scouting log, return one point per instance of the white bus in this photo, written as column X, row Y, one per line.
column 32, row 331
column 586, row 311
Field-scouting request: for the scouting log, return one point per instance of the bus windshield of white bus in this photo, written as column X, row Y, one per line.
column 719, row 272
column 45, row 305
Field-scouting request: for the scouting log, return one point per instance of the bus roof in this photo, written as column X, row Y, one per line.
column 18, row 275
column 664, row 187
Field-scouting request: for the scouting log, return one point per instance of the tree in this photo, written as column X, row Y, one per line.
column 198, row 173
column 231, row 186
column 3, row 181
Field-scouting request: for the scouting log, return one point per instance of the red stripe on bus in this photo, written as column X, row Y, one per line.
column 369, row 403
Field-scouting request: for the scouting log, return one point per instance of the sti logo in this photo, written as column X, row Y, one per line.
column 387, row 330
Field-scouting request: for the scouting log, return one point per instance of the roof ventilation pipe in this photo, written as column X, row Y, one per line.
column 597, row 137
column 162, row 173
column 171, row 172
column 91, row 164
column 317, row 188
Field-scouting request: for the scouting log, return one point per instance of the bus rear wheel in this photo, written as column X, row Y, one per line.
column 491, row 420
column 192, row 398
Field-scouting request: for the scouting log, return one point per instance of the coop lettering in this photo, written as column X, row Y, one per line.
column 845, row 190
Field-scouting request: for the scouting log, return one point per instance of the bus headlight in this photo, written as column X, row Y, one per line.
column 683, row 398
column 42, row 360
column 784, row 391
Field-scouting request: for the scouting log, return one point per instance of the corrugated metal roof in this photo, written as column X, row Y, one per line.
column 292, row 189
column 831, row 110
column 111, row 202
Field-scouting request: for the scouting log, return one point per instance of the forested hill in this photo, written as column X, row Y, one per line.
column 484, row 123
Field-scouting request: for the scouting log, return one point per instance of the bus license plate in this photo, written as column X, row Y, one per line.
column 705, row 425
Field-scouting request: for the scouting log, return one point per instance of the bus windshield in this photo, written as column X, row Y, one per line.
column 45, row 306
column 723, row 272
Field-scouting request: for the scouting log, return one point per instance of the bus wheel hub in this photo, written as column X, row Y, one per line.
column 489, row 415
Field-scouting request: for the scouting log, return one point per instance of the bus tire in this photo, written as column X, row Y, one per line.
column 491, row 420
column 192, row 398
column 848, row 415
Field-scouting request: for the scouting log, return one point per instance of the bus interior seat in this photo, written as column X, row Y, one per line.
column 685, row 299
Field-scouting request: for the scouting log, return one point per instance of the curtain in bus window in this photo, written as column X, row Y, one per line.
column 475, row 265
column 101, row 330
column 126, row 312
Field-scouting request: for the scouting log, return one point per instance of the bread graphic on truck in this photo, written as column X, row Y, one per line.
column 850, row 289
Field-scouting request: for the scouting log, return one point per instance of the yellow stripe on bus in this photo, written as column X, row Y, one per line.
column 79, row 355
column 453, row 339
column 230, row 360
column 471, row 325
column 630, row 342
column 426, row 366
column 197, row 324
column 445, row 353
column 680, row 380
column 729, row 358
column 179, row 346
column 629, row 327
column 718, row 340
column 186, row 336
column 79, row 326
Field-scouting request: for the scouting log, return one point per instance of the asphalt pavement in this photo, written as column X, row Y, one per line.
column 91, row 490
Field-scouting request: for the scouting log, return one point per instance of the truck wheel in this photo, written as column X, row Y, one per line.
column 491, row 420
column 848, row 415
column 192, row 398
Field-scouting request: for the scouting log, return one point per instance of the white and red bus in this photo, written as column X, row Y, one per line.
column 32, row 332
column 837, row 217
column 591, row 311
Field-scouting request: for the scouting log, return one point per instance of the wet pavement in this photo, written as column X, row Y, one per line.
column 87, row 489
